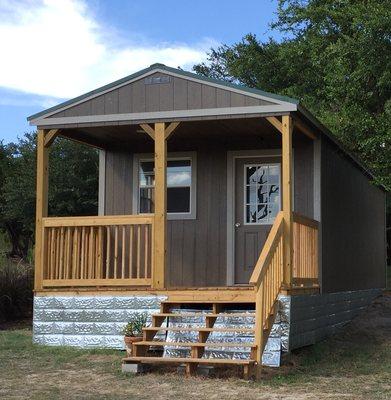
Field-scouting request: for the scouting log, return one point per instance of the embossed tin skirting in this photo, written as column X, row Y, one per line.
column 87, row 321
column 97, row 321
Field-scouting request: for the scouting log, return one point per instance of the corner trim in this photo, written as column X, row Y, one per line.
column 102, row 182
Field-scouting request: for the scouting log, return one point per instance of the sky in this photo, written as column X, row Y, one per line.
column 53, row 50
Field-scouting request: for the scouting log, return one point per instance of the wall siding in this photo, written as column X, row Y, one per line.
column 178, row 94
column 353, row 226
column 196, row 249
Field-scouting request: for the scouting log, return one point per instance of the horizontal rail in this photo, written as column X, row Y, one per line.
column 57, row 222
column 303, row 220
column 268, row 250
column 95, row 282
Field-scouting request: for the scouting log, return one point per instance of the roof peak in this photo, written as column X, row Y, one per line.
column 157, row 65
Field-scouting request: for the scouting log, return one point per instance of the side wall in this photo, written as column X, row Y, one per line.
column 353, row 226
column 196, row 253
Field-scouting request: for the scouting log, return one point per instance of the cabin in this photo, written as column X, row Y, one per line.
column 231, row 216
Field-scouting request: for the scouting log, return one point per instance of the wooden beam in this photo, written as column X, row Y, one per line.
column 304, row 129
column 149, row 130
column 275, row 122
column 171, row 128
column 41, row 206
column 50, row 136
column 287, row 197
column 160, row 224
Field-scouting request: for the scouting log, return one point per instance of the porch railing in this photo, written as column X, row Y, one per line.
column 305, row 250
column 98, row 251
column 268, row 274
column 266, row 279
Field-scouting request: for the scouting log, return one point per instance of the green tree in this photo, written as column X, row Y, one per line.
column 73, row 186
column 336, row 59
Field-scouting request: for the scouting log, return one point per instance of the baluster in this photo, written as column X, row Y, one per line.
column 83, row 252
column 108, row 247
column 123, row 252
column 138, row 250
column 100, row 253
column 146, row 250
column 115, row 251
column 131, row 251
column 61, row 253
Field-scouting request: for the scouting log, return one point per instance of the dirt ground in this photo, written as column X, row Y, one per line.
column 355, row 364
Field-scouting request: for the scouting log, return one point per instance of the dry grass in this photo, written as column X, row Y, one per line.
column 354, row 365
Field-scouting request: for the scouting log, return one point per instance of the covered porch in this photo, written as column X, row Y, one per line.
column 126, row 249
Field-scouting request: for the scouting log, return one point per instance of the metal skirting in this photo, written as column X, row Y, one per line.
column 87, row 321
column 97, row 321
column 314, row 317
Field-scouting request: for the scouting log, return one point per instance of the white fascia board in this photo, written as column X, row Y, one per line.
column 163, row 115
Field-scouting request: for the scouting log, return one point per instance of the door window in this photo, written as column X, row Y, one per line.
column 261, row 193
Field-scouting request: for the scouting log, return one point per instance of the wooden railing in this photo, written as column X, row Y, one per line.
column 266, row 279
column 98, row 251
column 305, row 251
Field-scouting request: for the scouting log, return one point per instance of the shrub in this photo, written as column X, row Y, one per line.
column 16, row 289
column 136, row 324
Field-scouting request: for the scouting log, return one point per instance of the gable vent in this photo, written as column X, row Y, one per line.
column 155, row 80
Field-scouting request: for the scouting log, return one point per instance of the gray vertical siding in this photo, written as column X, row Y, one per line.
column 196, row 249
column 177, row 94
column 353, row 226
column 304, row 179
column 118, row 187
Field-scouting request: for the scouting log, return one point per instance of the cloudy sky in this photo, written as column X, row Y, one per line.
column 52, row 50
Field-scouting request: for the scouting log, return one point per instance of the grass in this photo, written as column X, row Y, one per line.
column 355, row 364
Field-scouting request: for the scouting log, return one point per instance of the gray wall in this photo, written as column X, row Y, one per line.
column 178, row 94
column 196, row 254
column 353, row 225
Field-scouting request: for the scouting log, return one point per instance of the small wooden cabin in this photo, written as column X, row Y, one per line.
column 214, row 198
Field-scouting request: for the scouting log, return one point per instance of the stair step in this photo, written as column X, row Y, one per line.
column 167, row 360
column 209, row 302
column 197, row 329
column 200, row 314
column 194, row 344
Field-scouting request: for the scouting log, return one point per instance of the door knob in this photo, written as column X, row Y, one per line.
column 237, row 225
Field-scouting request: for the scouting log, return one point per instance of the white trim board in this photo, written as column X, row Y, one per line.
column 102, row 182
column 162, row 115
column 191, row 155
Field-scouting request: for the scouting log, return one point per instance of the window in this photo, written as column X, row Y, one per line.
column 261, row 193
column 180, row 186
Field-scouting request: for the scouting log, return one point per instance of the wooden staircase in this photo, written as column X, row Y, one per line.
column 211, row 333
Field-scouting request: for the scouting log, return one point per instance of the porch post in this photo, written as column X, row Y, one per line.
column 287, row 127
column 160, row 223
column 41, row 205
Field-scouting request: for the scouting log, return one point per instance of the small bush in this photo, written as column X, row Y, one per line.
column 16, row 290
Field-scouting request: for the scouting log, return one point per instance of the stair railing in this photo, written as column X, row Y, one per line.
column 267, row 279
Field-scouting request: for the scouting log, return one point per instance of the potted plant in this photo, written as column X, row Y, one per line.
column 133, row 331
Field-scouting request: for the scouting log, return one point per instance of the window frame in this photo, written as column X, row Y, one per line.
column 175, row 156
column 268, row 221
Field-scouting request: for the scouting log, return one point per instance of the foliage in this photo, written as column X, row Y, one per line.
column 336, row 59
column 73, row 186
column 136, row 324
column 16, row 289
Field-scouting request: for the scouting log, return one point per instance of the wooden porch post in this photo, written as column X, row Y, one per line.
column 287, row 127
column 160, row 224
column 41, row 205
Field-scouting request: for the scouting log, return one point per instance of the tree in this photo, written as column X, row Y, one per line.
column 73, row 186
column 336, row 59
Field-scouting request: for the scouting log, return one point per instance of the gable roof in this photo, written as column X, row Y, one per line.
column 277, row 99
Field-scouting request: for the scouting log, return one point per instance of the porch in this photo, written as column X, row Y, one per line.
column 130, row 252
